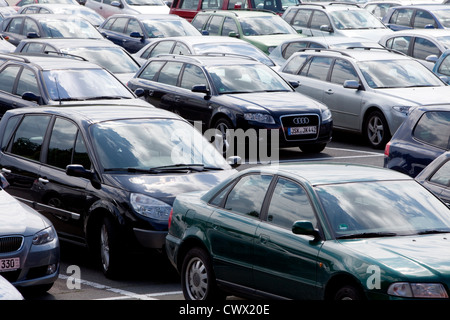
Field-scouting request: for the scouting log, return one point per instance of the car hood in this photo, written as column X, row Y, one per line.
column 18, row 218
column 166, row 187
column 370, row 34
column 275, row 102
column 411, row 256
column 419, row 95
column 151, row 9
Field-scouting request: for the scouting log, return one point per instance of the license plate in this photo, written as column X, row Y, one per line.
column 9, row 264
column 302, row 130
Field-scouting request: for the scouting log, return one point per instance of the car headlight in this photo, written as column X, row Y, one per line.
column 417, row 290
column 150, row 207
column 403, row 109
column 44, row 236
column 259, row 117
column 326, row 115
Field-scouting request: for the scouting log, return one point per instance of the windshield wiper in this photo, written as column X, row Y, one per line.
column 367, row 235
column 433, row 231
column 180, row 166
column 106, row 97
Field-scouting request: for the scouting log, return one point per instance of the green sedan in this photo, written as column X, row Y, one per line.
column 312, row 231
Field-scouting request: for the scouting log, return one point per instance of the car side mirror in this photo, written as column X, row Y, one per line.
column 294, row 84
column 326, row 28
column 233, row 34
column 352, row 84
column 432, row 58
column 30, row 96
column 234, row 161
column 77, row 170
column 205, row 33
column 446, row 79
column 136, row 34
column 139, row 92
column 32, row 35
column 117, row 4
column 429, row 26
column 200, row 88
column 305, row 228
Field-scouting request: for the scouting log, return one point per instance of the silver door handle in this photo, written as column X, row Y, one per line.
column 43, row 180
column 6, row 170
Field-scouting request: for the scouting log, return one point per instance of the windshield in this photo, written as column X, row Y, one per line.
column 76, row 28
column 265, row 25
column 145, row 2
column 113, row 59
column 385, row 207
column 247, row 50
column 443, row 16
column 82, row 84
column 151, row 143
column 445, row 41
column 246, row 79
column 355, row 19
column 90, row 15
column 170, row 28
column 398, row 74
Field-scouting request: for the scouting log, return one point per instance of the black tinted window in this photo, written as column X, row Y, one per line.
column 169, row 73
column 29, row 136
column 442, row 176
column 119, row 25
column 8, row 77
column 433, row 128
column 27, row 83
column 192, row 75
column 61, row 144
column 151, row 70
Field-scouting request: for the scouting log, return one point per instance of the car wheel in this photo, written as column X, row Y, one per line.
column 377, row 130
column 197, row 276
column 222, row 136
column 109, row 248
column 348, row 293
column 313, row 148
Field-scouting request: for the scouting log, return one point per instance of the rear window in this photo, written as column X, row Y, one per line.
column 433, row 128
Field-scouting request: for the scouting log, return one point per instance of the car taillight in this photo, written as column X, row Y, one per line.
column 170, row 217
column 386, row 149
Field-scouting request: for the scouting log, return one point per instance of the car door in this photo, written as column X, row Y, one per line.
column 62, row 198
column 115, row 31
column 15, row 80
column 20, row 158
column 400, row 19
column 96, row 5
column 285, row 263
column 300, row 22
column 12, row 31
column 232, row 229
column 133, row 44
column 318, row 20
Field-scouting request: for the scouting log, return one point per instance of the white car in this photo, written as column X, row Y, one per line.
column 107, row 8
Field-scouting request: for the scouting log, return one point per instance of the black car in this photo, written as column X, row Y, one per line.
column 421, row 138
column 106, row 177
column 226, row 92
column 18, row 27
column 36, row 80
column 436, row 177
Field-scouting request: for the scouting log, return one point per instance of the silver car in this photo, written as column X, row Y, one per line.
column 29, row 245
column 368, row 91
column 107, row 8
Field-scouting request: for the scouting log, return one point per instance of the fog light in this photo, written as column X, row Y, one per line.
column 51, row 268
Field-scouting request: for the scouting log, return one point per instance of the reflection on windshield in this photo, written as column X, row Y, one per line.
column 267, row 25
column 152, row 143
column 398, row 74
column 443, row 16
column 83, row 84
column 113, row 59
column 356, row 19
column 251, row 78
column 400, row 207
column 247, row 50
column 77, row 28
column 175, row 28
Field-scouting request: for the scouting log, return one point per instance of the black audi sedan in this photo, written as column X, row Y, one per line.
column 106, row 177
column 225, row 92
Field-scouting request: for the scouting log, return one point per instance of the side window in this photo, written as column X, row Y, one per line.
column 199, row 21
column 28, row 138
column 161, row 48
column 15, row 25
column 318, row 68
column 444, row 68
column 302, row 18
column 292, row 47
column 147, row 52
column 248, row 195
column 27, row 83
column 229, row 26
column 211, row 4
column 33, row 47
column 151, row 70
column 294, row 65
column 442, row 176
column 30, row 26
column 342, row 71
column 423, row 19
column 189, row 4
column 423, row 48
column 133, row 26
column 319, row 18
column 119, row 25
column 12, row 122
column 62, row 142
column 169, row 73
column 8, row 77
column 289, row 203
column 108, row 24
column 192, row 75
column 214, row 24
column 289, row 15
column 181, row 48
column 433, row 128
column 400, row 44
column 403, row 17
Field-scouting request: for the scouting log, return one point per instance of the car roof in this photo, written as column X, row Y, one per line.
column 240, row 13
column 69, row 42
column 427, row 6
column 330, row 40
column 331, row 6
column 204, row 39
column 144, row 16
column 358, row 54
column 52, row 5
column 332, row 173
column 98, row 113
column 422, row 32
column 210, row 59
column 49, row 62
column 47, row 16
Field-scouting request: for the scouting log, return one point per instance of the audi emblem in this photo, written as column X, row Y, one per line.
column 301, row 120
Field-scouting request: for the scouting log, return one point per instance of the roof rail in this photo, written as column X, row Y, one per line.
column 323, row 49
column 174, row 55
column 13, row 56
column 345, row 3
column 312, row 4
column 376, row 48
column 223, row 54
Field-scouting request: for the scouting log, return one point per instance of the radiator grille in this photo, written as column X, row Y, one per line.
column 10, row 244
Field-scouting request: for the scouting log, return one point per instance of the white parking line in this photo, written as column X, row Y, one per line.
column 124, row 294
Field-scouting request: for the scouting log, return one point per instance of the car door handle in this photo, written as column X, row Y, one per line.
column 264, row 238
column 43, row 180
column 6, row 170
column 150, row 92
column 329, row 91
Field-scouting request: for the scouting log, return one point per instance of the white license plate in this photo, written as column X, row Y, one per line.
column 9, row 264
column 302, row 130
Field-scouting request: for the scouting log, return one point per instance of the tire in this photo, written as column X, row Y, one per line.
column 313, row 148
column 376, row 130
column 222, row 142
column 348, row 292
column 197, row 277
column 109, row 249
